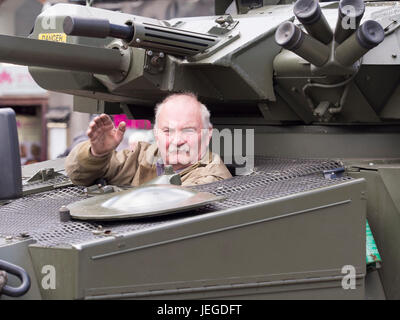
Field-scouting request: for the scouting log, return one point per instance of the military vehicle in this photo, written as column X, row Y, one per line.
column 317, row 84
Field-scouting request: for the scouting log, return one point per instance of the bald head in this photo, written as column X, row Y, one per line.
column 189, row 100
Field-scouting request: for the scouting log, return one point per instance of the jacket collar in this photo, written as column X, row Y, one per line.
column 205, row 160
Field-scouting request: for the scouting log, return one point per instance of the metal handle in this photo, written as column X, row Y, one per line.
column 21, row 274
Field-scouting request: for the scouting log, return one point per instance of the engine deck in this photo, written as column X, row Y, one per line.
column 37, row 216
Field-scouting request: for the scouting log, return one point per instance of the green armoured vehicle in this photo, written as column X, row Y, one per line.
column 315, row 84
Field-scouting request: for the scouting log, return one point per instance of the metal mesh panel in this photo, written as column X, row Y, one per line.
column 37, row 215
column 267, row 171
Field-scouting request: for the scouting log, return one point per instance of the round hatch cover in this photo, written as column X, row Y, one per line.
column 140, row 202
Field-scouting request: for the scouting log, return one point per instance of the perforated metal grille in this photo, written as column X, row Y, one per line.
column 37, row 216
column 267, row 171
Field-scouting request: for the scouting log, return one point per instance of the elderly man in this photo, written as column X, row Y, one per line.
column 182, row 132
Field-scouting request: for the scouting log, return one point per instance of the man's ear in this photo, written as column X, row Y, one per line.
column 155, row 134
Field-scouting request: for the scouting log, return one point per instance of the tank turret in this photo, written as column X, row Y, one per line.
column 304, row 61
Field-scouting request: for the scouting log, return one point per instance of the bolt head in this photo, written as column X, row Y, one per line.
column 65, row 214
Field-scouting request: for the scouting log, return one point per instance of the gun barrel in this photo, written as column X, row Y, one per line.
column 290, row 37
column 96, row 28
column 368, row 36
column 41, row 53
column 143, row 35
column 350, row 14
column 309, row 13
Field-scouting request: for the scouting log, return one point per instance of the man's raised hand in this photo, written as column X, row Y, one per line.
column 103, row 135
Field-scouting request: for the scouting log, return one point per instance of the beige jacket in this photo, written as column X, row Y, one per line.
column 135, row 167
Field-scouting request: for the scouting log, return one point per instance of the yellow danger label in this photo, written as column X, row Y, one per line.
column 56, row 37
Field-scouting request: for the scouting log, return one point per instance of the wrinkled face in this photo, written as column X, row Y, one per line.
column 179, row 134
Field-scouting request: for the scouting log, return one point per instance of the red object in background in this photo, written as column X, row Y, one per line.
column 131, row 123
column 5, row 77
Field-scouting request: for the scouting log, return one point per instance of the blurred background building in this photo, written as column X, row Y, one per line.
column 47, row 125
